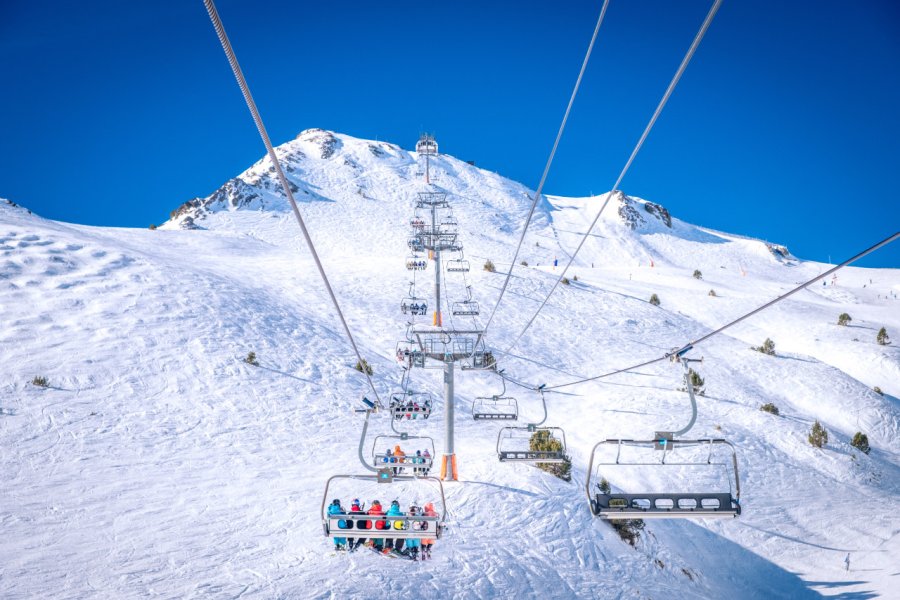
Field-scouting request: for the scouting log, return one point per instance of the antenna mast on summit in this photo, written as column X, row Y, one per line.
column 427, row 147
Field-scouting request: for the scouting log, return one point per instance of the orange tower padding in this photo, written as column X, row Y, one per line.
column 437, row 319
column 451, row 459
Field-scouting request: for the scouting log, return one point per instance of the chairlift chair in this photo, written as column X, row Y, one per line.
column 414, row 262
column 497, row 408
column 418, row 465
column 666, row 505
column 416, row 244
column 411, row 405
column 343, row 525
column 514, row 445
column 417, row 223
column 414, row 306
column 458, row 265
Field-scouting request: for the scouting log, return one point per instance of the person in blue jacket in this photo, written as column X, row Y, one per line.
column 340, row 543
column 394, row 511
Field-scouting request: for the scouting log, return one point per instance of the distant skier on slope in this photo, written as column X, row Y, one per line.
column 847, row 562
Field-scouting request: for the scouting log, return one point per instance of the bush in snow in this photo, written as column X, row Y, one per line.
column 565, row 281
column 604, row 486
column 768, row 347
column 860, row 441
column 878, row 391
column 363, row 367
column 712, row 293
column 40, row 381
column 698, row 274
column 769, row 408
column 818, row 437
column 654, row 300
column 489, row 266
column 697, row 382
column 844, row 319
column 251, row 359
column 628, row 529
column 574, row 277
column 542, row 441
column 152, row 227
column 882, row 337
column 524, row 263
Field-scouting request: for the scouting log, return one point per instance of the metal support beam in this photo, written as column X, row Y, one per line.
column 448, row 462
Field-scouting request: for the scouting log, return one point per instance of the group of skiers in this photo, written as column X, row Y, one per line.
column 416, row 265
column 410, row 409
column 415, row 308
column 401, row 458
column 412, row 548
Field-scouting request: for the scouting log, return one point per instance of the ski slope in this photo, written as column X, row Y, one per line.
column 158, row 463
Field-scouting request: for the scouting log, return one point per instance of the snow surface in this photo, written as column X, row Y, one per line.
column 158, row 463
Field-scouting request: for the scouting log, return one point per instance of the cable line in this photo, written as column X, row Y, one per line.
column 540, row 187
column 659, row 108
column 686, row 347
column 239, row 75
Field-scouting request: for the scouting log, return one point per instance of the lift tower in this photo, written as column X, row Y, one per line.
column 426, row 147
column 435, row 342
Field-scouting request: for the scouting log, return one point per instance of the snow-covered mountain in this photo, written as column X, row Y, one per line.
column 157, row 462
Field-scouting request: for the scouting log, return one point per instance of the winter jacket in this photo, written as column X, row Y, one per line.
column 429, row 512
column 394, row 511
column 334, row 509
column 377, row 510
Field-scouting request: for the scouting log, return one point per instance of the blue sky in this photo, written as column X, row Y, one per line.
column 784, row 126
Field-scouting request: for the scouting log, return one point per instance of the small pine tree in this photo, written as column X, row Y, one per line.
column 489, row 361
column 251, row 359
column 697, row 382
column 698, row 274
column 574, row 277
column 604, row 486
column 524, row 263
column 818, row 436
column 882, row 337
column 489, row 266
column 860, row 441
column 40, row 381
column 878, row 391
column 713, row 293
column 654, row 300
column 768, row 347
column 542, row 441
column 152, row 226
column 769, row 408
column 363, row 367
column 844, row 319
column 565, row 281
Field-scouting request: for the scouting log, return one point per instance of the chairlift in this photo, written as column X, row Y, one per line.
column 416, row 243
column 343, row 525
column 515, row 444
column 417, row 223
column 609, row 505
column 407, row 464
column 411, row 405
column 499, row 407
column 504, row 408
column 458, row 265
column 414, row 262
column 467, row 307
column 413, row 305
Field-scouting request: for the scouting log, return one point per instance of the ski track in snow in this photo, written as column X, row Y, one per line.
column 158, row 463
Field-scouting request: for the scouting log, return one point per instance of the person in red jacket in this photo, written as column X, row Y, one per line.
column 377, row 510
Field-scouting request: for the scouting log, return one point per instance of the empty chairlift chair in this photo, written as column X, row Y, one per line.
column 502, row 408
column 684, row 502
column 458, row 265
column 514, row 444
column 467, row 307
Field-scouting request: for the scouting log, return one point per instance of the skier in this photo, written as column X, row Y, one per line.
column 377, row 543
column 847, row 562
column 426, row 456
column 390, row 544
column 388, row 457
column 340, row 543
column 356, row 509
column 413, row 544
column 418, row 460
column 400, row 459
column 428, row 542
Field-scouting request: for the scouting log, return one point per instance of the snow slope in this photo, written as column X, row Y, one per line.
column 158, row 463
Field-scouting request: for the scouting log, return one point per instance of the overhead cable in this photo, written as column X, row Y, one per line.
column 239, row 75
column 659, row 108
